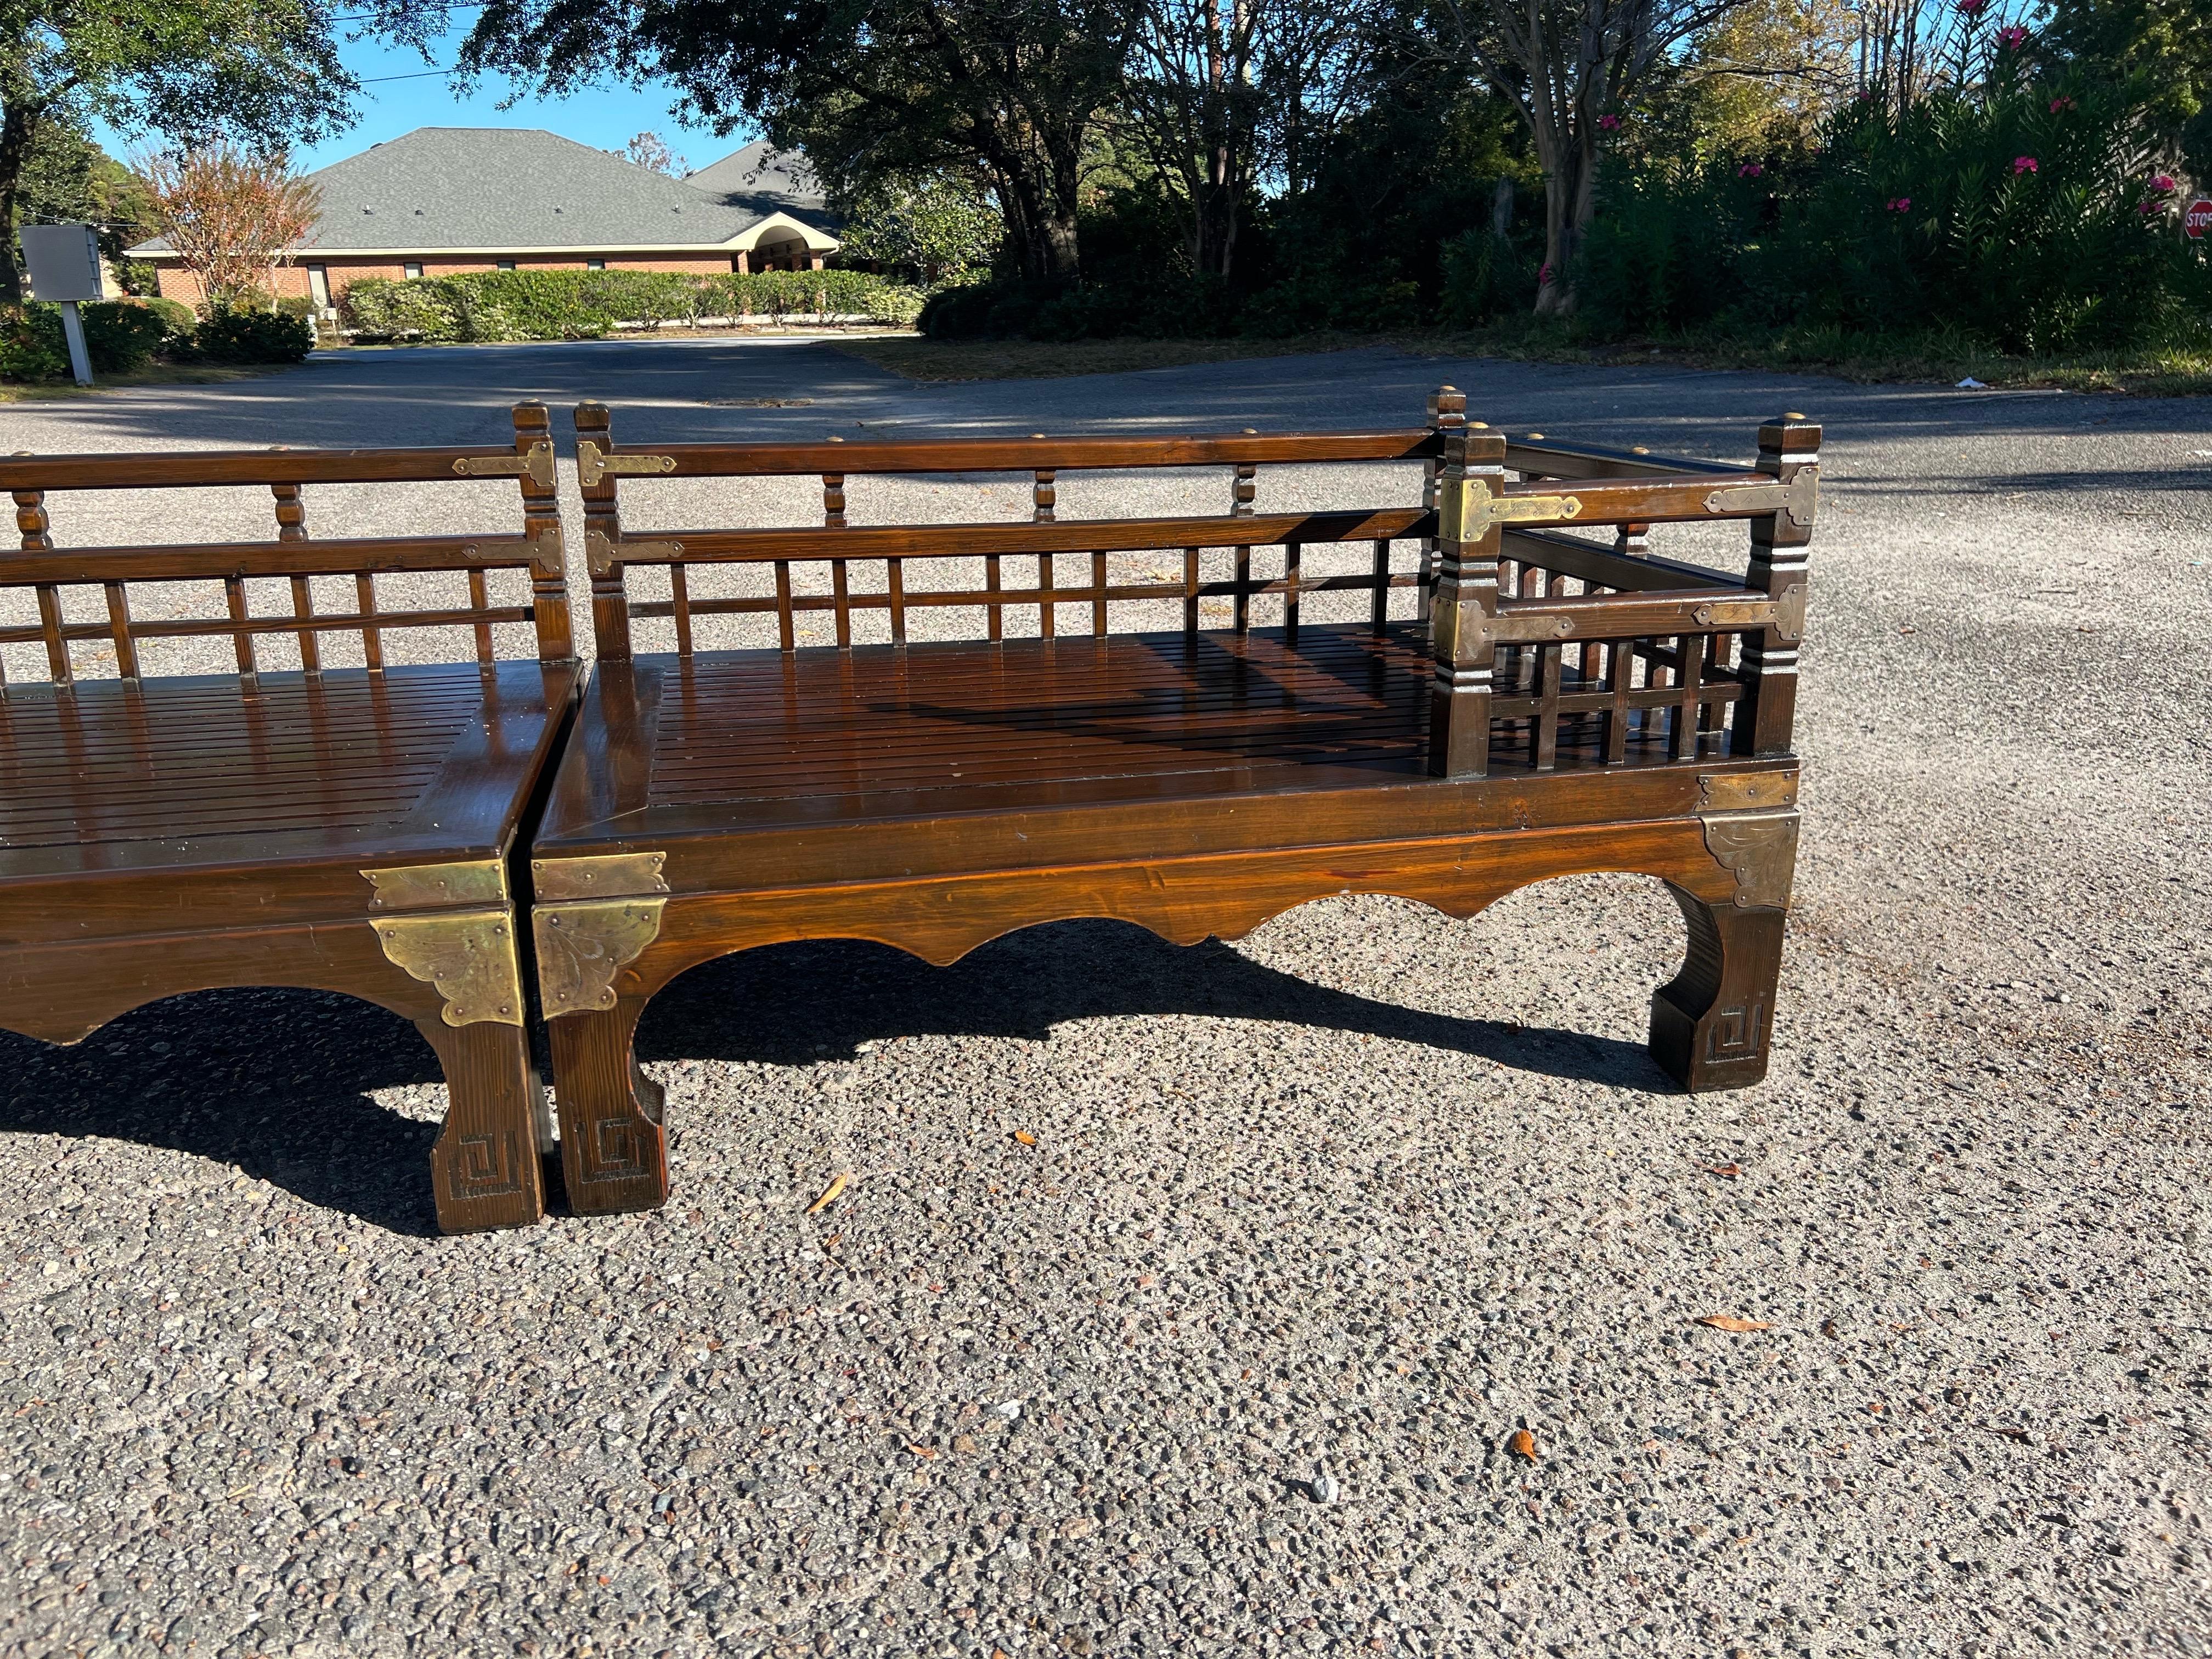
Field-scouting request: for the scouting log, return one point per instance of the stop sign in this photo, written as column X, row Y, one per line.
column 2198, row 219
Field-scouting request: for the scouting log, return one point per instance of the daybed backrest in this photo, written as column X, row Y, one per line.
column 74, row 605
column 812, row 566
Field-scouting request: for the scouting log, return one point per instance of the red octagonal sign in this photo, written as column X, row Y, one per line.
column 2198, row 219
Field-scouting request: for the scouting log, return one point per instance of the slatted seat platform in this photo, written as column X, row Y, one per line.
column 1518, row 700
column 349, row 829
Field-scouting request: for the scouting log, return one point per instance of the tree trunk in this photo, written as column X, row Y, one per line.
column 1570, row 162
column 18, row 123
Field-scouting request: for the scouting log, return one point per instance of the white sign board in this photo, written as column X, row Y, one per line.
column 63, row 261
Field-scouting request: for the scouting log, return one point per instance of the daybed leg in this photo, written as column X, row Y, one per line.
column 614, row 1153
column 486, row 1168
column 1711, row 1025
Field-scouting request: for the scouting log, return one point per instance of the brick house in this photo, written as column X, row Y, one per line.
column 442, row 200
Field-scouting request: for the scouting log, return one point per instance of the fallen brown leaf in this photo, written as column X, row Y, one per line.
column 1522, row 1444
column 923, row 1451
column 1025, row 1137
column 1730, row 1323
column 1731, row 1170
column 828, row 1193
column 1828, row 1329
column 830, row 1243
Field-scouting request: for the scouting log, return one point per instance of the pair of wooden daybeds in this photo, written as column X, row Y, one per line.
column 484, row 843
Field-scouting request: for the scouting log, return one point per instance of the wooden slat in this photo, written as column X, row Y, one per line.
column 50, row 629
column 118, row 631
column 1098, row 595
column 956, row 598
column 806, row 542
column 680, row 605
column 1190, row 590
column 1292, row 552
column 479, row 603
column 993, row 581
column 895, row 598
column 1379, row 618
column 1590, row 461
column 708, row 460
column 784, row 633
column 234, row 598
column 191, row 468
column 371, row 641
column 209, row 560
column 1593, row 562
column 1688, row 707
column 250, row 627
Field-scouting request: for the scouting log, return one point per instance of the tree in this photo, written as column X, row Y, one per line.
column 869, row 89
column 233, row 217
column 940, row 225
column 1192, row 110
column 1569, row 66
column 68, row 178
column 2165, row 46
column 651, row 151
column 266, row 69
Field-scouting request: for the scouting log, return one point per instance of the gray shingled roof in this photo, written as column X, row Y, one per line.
column 764, row 180
column 503, row 189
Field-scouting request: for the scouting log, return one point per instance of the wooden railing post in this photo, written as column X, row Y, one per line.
column 1789, row 453
column 541, row 522
column 1464, row 627
column 602, row 535
column 1447, row 415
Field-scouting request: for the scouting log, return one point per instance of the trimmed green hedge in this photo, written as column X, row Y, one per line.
column 122, row 337
column 586, row 305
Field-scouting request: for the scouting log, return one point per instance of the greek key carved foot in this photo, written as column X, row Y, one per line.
column 1712, row 1023
column 486, row 1168
column 614, row 1153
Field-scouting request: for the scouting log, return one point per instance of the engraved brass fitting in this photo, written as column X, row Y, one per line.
column 535, row 464
column 593, row 463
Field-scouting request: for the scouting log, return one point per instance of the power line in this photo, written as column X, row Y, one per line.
column 424, row 74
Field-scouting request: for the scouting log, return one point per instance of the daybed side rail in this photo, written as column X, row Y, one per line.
column 1649, row 651
column 48, row 570
column 1044, row 537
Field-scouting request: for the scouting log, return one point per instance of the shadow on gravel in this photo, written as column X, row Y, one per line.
column 275, row 1083
column 794, row 1004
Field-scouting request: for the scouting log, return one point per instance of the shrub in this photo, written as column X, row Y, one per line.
column 122, row 336
column 586, row 305
column 31, row 345
column 226, row 336
column 179, row 317
column 1486, row 277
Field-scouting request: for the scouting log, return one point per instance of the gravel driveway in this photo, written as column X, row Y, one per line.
column 1342, row 1205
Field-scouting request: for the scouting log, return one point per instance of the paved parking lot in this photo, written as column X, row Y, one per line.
column 1359, row 1195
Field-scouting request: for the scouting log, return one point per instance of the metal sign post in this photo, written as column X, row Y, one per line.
column 65, row 266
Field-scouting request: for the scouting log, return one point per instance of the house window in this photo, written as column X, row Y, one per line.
column 412, row 268
column 319, row 286
column 504, row 264
column 595, row 264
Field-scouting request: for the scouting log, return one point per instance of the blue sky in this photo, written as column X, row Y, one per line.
column 606, row 117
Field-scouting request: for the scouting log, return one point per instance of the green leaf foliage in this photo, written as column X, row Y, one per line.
column 2021, row 213
column 588, row 305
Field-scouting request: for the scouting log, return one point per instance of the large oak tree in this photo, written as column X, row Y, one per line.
column 870, row 89
column 263, row 70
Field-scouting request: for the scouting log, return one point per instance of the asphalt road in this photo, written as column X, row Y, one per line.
column 1359, row 1195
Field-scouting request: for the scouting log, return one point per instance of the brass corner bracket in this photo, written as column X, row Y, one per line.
column 584, row 943
column 602, row 554
column 1796, row 500
column 1469, row 508
column 535, row 464
column 469, row 954
column 1758, row 849
column 594, row 917
column 438, row 886
column 593, row 463
column 459, row 935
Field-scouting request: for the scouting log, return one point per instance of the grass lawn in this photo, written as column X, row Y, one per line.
column 2168, row 371
column 159, row 375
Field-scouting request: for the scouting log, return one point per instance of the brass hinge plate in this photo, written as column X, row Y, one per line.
column 1746, row 791
column 1746, row 612
column 1796, row 500
column 535, row 464
column 469, row 954
column 439, row 886
column 601, row 555
column 547, row 552
column 583, row 944
column 614, row 875
column 593, row 463
column 1759, row 849
column 1470, row 508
